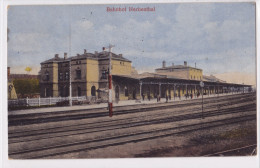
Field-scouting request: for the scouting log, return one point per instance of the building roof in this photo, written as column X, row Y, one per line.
column 212, row 78
column 22, row 76
column 177, row 67
column 154, row 76
column 104, row 55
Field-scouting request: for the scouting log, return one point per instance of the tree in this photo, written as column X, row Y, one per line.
column 26, row 86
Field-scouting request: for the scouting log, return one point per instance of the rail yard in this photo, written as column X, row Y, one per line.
column 175, row 128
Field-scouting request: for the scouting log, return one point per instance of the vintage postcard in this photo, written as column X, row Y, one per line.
column 131, row 80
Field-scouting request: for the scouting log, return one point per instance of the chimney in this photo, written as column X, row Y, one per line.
column 96, row 53
column 56, row 56
column 65, row 55
column 8, row 72
column 195, row 64
column 77, row 54
column 163, row 64
column 85, row 51
column 185, row 63
column 120, row 55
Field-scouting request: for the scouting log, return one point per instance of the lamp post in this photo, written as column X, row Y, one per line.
column 202, row 85
column 70, row 98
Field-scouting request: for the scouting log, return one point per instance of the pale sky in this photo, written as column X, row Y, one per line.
column 219, row 37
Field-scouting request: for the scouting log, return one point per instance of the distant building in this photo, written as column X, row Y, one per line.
column 181, row 71
column 22, row 76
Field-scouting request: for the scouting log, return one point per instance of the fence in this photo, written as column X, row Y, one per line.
column 47, row 101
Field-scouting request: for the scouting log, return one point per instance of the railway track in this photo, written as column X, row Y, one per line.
column 124, row 129
column 125, row 119
column 26, row 119
column 122, row 123
column 249, row 150
column 120, row 140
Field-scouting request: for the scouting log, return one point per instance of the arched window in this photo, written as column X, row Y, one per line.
column 126, row 91
column 93, row 91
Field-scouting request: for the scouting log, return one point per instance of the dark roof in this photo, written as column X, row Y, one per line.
column 212, row 78
column 105, row 55
column 99, row 56
column 22, row 76
column 55, row 59
column 152, row 76
column 84, row 56
column 177, row 67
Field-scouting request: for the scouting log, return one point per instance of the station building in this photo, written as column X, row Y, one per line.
column 89, row 77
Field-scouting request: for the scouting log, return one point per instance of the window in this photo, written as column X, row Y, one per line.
column 61, row 76
column 79, row 91
column 47, row 76
column 67, row 75
column 93, row 91
column 104, row 74
column 126, row 91
column 78, row 74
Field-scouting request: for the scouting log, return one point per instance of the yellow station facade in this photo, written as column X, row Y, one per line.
column 89, row 77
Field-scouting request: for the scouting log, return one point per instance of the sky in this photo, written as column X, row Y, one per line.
column 218, row 37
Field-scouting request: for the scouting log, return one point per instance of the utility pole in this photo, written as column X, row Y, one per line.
column 110, row 98
column 70, row 98
column 202, row 85
column 70, row 88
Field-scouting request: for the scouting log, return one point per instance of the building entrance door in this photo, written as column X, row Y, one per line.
column 117, row 93
column 93, row 91
column 134, row 93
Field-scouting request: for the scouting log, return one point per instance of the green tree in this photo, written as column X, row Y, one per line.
column 26, row 86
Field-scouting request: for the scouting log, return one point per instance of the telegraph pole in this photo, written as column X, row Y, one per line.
column 70, row 87
column 110, row 98
column 202, row 85
column 70, row 98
